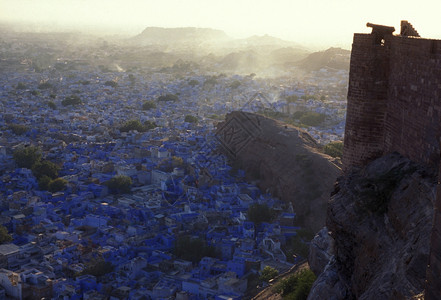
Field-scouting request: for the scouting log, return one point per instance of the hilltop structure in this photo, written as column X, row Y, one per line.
column 394, row 87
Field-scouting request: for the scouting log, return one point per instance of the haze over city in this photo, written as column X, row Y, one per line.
column 317, row 23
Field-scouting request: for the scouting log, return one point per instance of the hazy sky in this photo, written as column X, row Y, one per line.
column 311, row 22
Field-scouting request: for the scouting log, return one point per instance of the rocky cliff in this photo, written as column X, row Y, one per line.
column 379, row 220
column 284, row 160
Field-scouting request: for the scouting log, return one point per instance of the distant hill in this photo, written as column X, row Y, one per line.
column 266, row 40
column 243, row 60
column 184, row 35
column 332, row 58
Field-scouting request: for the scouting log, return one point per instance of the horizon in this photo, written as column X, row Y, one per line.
column 337, row 21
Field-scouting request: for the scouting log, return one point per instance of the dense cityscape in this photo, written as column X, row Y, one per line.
column 113, row 184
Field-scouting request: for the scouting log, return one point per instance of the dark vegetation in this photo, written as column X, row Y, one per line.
column 45, row 171
column 120, row 184
column 5, row 237
column 191, row 119
column 98, row 268
column 334, row 149
column 111, row 83
column 18, row 129
column 147, row 105
column 71, row 100
column 259, row 213
column 168, row 97
column 138, row 126
column 296, row 286
column 268, row 273
column 193, row 249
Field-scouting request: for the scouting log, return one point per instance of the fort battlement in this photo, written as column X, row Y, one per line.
column 394, row 98
column 394, row 104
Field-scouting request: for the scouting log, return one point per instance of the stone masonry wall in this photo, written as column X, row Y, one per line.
column 394, row 104
column 367, row 101
column 394, row 100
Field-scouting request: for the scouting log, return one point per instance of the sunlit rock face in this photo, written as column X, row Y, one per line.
column 284, row 160
column 380, row 218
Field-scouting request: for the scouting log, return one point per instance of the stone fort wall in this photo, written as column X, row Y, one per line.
column 394, row 99
column 394, row 104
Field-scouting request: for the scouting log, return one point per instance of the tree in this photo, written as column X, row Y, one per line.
column 149, row 125
column 334, row 149
column 193, row 249
column 57, row 185
column 259, row 213
column 167, row 165
column 44, row 86
column 45, row 168
column 20, row 86
column 147, row 105
column 51, row 105
column 296, row 286
column 26, row 157
column 71, row 100
column 268, row 273
column 132, row 125
column 4, row 235
column 43, row 182
column 111, row 83
column 168, row 97
column 120, row 184
column 191, row 119
column 18, row 129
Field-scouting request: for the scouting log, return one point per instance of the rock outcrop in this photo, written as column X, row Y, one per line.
column 380, row 218
column 284, row 160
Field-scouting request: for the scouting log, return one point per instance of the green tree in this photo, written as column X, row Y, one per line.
column 45, row 168
column 51, row 105
column 149, row 125
column 71, row 100
column 21, row 86
column 18, row 129
column 119, row 184
column 168, row 97
column 259, row 213
column 191, row 119
column 5, row 237
column 57, row 185
column 132, row 125
column 147, row 105
column 111, row 83
column 334, row 149
column 296, row 286
column 44, row 86
column 26, row 157
column 167, row 165
column 268, row 273
column 43, row 182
